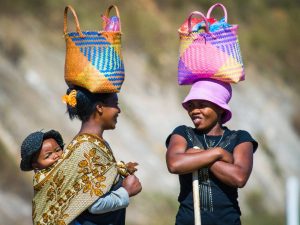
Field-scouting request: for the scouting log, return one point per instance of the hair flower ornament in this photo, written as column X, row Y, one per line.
column 70, row 99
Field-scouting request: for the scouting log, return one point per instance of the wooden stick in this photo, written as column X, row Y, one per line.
column 196, row 197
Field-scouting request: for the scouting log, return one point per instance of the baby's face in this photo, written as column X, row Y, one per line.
column 50, row 153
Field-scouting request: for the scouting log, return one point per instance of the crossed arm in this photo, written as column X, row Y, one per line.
column 232, row 169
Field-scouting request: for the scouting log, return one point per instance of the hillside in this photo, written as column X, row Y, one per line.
column 266, row 104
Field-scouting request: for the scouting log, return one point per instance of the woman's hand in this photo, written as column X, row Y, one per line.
column 182, row 161
column 225, row 155
column 237, row 173
column 132, row 185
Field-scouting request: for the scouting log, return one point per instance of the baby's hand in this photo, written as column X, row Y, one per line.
column 131, row 167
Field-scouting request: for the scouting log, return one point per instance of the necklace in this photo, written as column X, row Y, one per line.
column 215, row 144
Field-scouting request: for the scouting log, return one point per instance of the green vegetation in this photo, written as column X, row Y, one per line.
column 259, row 214
column 264, row 218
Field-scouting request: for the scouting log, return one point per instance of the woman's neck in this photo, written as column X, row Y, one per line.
column 216, row 130
column 91, row 128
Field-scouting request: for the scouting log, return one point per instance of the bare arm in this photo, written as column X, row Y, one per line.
column 181, row 162
column 235, row 174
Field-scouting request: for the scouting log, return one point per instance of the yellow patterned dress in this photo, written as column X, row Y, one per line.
column 86, row 171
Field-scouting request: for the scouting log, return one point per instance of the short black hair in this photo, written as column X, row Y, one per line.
column 86, row 103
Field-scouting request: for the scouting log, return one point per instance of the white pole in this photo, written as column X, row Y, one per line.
column 292, row 201
column 196, row 198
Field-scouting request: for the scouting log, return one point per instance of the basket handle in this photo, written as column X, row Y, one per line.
column 213, row 7
column 76, row 21
column 203, row 17
column 107, row 12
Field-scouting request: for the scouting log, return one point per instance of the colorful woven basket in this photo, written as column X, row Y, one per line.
column 215, row 55
column 93, row 58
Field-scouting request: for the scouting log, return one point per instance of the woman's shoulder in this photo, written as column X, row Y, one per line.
column 181, row 130
column 242, row 136
column 91, row 145
column 88, row 141
column 238, row 132
column 181, row 127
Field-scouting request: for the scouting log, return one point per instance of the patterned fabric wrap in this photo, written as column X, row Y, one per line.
column 215, row 55
column 86, row 171
column 93, row 58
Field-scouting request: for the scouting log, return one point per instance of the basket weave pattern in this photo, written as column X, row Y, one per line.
column 94, row 60
column 214, row 55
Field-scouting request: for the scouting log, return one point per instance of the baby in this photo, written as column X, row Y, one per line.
column 41, row 150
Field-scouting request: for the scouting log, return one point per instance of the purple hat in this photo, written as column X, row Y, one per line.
column 213, row 91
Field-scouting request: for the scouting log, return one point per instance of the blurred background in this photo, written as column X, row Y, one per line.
column 267, row 105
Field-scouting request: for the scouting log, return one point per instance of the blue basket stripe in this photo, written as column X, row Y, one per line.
column 94, row 61
column 88, row 53
column 115, row 74
column 97, row 54
column 90, row 38
column 106, row 60
column 110, row 57
column 104, row 64
column 88, row 43
column 86, row 33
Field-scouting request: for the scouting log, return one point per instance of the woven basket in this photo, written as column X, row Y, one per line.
column 93, row 58
column 215, row 55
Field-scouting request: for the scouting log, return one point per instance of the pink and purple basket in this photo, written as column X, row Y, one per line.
column 215, row 55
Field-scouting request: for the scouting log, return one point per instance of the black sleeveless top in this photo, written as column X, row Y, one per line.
column 218, row 201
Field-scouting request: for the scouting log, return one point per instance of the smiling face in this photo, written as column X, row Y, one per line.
column 204, row 114
column 110, row 112
column 50, row 153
